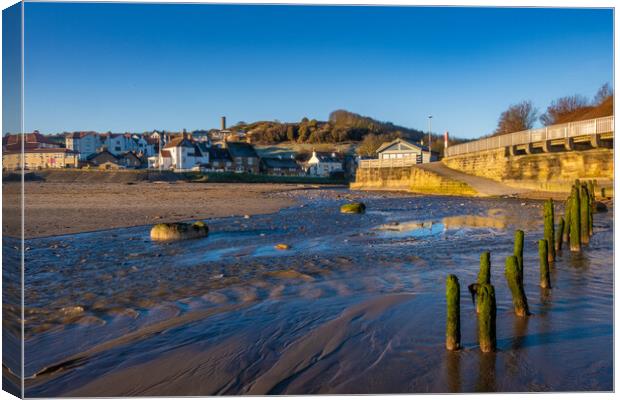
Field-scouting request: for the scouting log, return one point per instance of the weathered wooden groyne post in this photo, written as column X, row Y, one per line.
column 484, row 275
column 518, row 249
column 585, row 212
column 549, row 235
column 514, row 278
column 575, row 220
column 543, row 247
column 567, row 216
column 486, row 318
column 559, row 235
column 453, row 318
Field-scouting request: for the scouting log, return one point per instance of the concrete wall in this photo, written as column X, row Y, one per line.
column 543, row 171
column 412, row 179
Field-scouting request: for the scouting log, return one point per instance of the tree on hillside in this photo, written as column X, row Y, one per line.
column 604, row 93
column 518, row 117
column 565, row 109
column 371, row 142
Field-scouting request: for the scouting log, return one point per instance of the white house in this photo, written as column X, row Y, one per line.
column 180, row 153
column 85, row 143
column 323, row 164
column 403, row 149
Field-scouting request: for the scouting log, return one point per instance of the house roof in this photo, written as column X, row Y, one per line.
column 275, row 162
column 166, row 153
column 218, row 154
column 179, row 142
column 32, row 140
column 79, row 135
column 324, row 156
column 43, row 150
column 385, row 145
column 100, row 154
column 241, row 149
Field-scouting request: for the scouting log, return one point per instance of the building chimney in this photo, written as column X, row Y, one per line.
column 223, row 119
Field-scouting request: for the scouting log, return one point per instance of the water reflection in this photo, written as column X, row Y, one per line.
column 453, row 371
column 486, row 372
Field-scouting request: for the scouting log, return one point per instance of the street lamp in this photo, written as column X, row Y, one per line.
column 430, row 117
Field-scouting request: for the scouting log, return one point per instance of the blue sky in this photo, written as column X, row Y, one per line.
column 138, row 67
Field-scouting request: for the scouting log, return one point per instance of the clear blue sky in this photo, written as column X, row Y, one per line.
column 138, row 67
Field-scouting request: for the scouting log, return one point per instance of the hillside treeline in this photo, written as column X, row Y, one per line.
column 342, row 126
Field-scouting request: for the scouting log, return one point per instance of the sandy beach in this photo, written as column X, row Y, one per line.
column 54, row 208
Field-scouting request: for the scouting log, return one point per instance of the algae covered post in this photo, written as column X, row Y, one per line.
column 549, row 229
column 514, row 278
column 543, row 248
column 585, row 214
column 453, row 318
column 518, row 249
column 559, row 233
column 486, row 318
column 575, row 220
column 484, row 275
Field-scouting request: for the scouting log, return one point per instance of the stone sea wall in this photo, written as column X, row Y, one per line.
column 544, row 171
column 411, row 179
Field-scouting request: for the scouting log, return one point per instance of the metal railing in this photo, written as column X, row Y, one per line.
column 560, row 131
column 389, row 163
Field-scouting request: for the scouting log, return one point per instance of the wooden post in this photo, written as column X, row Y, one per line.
column 484, row 275
column 486, row 319
column 567, row 215
column 549, row 228
column 518, row 249
column 585, row 214
column 575, row 219
column 453, row 318
column 545, row 282
column 559, row 233
column 514, row 278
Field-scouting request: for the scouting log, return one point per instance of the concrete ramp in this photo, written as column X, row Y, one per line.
column 483, row 186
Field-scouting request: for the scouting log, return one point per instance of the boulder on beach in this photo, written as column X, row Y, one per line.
column 179, row 231
column 353, row 208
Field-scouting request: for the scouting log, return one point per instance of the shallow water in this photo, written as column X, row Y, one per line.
column 356, row 305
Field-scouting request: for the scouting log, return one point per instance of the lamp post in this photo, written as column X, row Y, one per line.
column 430, row 118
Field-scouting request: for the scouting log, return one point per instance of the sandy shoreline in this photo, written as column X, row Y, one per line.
column 64, row 208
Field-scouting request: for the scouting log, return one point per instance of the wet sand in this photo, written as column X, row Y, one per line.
column 355, row 306
column 54, row 208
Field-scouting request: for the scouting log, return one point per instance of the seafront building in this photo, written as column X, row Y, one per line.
column 402, row 149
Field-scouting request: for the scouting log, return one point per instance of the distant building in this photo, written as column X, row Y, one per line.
column 403, row 149
column 39, row 158
column 31, row 141
column 100, row 158
column 324, row 164
column 244, row 157
column 284, row 166
column 181, row 153
column 219, row 160
column 85, row 143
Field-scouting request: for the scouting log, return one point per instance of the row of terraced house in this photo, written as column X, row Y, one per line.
column 162, row 151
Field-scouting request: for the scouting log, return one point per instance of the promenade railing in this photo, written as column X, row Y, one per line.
column 560, row 131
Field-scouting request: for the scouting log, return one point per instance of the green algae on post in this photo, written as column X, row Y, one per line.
column 514, row 278
column 549, row 228
column 453, row 317
column 585, row 214
column 559, row 233
column 575, row 224
column 484, row 275
column 353, row 208
column 486, row 319
column 567, row 215
column 518, row 249
column 543, row 247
